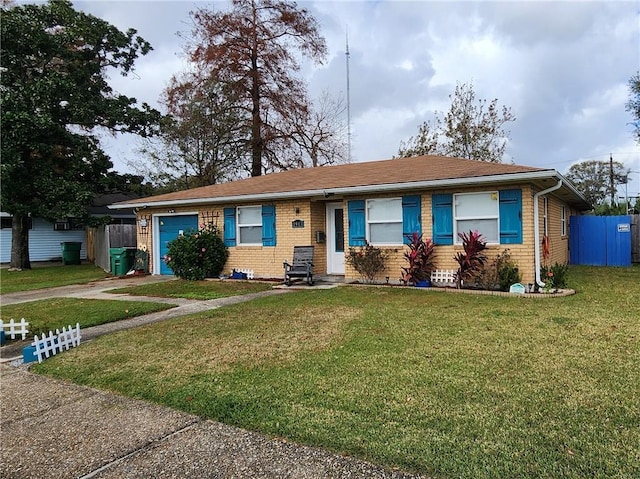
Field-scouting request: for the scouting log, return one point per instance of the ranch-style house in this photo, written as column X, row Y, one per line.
column 522, row 208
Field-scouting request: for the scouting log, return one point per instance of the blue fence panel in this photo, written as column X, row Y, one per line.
column 618, row 240
column 600, row 240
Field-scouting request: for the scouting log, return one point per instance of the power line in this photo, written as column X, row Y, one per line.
column 603, row 157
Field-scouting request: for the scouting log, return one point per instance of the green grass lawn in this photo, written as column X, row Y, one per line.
column 446, row 384
column 51, row 314
column 202, row 290
column 48, row 277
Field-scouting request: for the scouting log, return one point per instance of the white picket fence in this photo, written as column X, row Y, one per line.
column 248, row 272
column 54, row 343
column 443, row 277
column 13, row 328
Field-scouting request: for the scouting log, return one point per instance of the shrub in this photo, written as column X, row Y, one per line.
column 368, row 261
column 558, row 275
column 197, row 254
column 471, row 261
column 488, row 278
column 500, row 274
column 420, row 259
column 508, row 273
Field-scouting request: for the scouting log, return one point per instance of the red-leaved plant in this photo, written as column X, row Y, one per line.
column 471, row 261
column 420, row 259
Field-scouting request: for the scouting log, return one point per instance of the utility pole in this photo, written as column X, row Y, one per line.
column 612, row 188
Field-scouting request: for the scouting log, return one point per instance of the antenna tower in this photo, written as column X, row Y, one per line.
column 348, row 101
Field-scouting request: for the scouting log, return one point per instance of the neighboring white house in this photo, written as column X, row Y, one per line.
column 44, row 238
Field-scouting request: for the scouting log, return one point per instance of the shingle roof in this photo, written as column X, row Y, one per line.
column 364, row 174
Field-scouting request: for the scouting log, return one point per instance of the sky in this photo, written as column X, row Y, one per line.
column 562, row 67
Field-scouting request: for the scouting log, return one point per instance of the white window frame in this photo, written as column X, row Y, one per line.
column 563, row 220
column 246, row 225
column 393, row 221
column 490, row 215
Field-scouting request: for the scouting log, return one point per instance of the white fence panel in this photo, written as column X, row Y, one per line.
column 443, row 277
column 54, row 343
column 14, row 328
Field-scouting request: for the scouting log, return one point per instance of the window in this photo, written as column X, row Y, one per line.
column 388, row 221
column 68, row 224
column 477, row 211
column 61, row 225
column 250, row 225
column 338, row 228
column 6, row 222
column 563, row 220
column 384, row 221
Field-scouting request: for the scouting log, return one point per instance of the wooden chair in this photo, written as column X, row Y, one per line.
column 301, row 266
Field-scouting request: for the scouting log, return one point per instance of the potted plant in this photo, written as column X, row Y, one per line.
column 420, row 259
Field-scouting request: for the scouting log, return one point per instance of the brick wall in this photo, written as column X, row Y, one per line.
column 267, row 261
column 558, row 243
column 318, row 223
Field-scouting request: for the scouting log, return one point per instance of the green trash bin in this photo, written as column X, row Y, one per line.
column 121, row 260
column 71, row 252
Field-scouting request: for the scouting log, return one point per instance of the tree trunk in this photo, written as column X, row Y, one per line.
column 256, row 122
column 20, row 242
column 257, row 143
column 256, row 140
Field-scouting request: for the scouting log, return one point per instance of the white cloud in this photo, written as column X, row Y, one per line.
column 562, row 67
column 599, row 104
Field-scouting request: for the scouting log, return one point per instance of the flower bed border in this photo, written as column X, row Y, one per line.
column 560, row 293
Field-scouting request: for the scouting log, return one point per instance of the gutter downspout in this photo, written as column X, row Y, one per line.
column 536, row 228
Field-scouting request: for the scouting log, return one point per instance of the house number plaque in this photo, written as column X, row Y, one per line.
column 297, row 224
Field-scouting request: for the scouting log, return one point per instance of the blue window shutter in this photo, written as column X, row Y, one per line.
column 357, row 227
column 511, row 217
column 230, row 226
column 442, row 217
column 268, row 225
column 411, row 217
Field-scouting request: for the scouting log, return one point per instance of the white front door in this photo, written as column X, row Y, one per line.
column 335, row 238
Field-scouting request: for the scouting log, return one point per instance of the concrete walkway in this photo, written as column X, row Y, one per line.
column 98, row 290
column 52, row 428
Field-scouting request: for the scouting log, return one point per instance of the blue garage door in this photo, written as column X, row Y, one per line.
column 170, row 228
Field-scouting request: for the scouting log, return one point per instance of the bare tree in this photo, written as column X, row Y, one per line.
column 199, row 144
column 250, row 50
column 319, row 134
